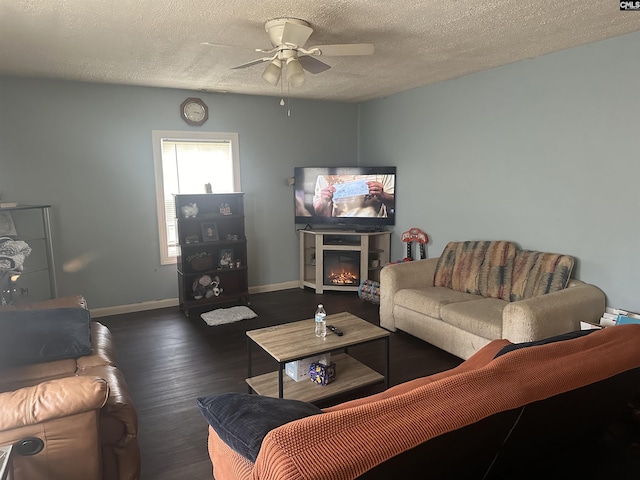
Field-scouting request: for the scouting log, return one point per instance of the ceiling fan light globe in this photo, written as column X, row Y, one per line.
column 295, row 73
column 273, row 71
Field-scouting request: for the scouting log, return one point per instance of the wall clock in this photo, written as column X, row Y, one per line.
column 194, row 111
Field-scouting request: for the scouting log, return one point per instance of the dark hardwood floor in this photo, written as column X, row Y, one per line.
column 170, row 360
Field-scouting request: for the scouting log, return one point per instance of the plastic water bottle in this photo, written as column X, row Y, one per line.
column 321, row 323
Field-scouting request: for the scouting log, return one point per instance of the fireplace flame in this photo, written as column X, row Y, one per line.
column 342, row 278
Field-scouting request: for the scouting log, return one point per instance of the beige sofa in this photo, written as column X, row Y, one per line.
column 476, row 292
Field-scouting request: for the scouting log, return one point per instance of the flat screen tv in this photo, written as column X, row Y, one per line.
column 349, row 196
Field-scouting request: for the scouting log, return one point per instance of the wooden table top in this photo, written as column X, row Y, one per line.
column 292, row 341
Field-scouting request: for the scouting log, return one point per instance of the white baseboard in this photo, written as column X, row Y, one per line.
column 274, row 287
column 174, row 302
column 133, row 307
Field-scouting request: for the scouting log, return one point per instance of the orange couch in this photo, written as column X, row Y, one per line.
column 488, row 414
column 79, row 408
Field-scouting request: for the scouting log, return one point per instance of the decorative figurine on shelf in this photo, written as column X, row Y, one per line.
column 225, row 209
column 190, row 210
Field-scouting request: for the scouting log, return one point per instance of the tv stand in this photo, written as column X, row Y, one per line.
column 371, row 247
column 369, row 229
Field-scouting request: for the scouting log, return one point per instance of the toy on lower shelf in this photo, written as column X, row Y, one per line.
column 322, row 374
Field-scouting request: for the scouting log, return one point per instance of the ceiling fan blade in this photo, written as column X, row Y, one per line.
column 252, row 63
column 213, row 44
column 344, row 49
column 244, row 47
column 313, row 65
column 294, row 34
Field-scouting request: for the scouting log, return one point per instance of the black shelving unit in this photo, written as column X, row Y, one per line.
column 212, row 254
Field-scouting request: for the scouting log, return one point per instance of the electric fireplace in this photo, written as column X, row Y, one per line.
column 341, row 268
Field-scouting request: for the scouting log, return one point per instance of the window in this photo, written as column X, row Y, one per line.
column 184, row 162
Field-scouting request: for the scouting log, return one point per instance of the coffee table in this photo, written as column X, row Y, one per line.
column 294, row 341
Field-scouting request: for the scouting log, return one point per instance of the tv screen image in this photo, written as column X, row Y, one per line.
column 349, row 196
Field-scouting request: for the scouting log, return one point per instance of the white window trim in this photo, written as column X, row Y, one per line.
column 179, row 135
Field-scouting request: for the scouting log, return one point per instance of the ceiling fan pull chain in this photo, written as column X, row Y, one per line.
column 281, row 93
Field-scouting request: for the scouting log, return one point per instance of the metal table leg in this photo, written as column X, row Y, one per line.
column 386, row 367
column 250, row 390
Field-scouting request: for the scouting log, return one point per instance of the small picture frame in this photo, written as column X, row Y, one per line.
column 226, row 257
column 210, row 232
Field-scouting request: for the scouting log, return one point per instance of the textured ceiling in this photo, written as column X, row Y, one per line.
column 159, row 42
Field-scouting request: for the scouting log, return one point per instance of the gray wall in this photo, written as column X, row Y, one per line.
column 86, row 150
column 542, row 152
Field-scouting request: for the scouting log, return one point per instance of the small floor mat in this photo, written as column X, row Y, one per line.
column 222, row 316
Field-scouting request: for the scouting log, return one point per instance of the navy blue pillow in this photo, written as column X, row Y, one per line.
column 43, row 335
column 544, row 341
column 242, row 420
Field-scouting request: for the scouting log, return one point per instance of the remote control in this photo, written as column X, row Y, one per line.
column 335, row 330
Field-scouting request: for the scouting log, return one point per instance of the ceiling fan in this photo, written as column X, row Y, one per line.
column 288, row 36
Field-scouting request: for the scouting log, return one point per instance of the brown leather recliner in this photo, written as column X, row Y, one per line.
column 77, row 410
